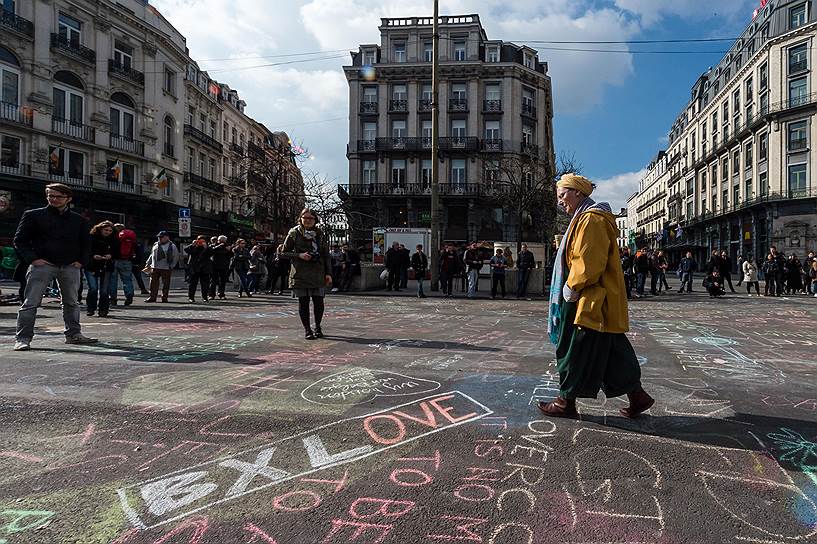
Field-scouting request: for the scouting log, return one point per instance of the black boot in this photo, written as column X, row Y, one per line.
column 308, row 334
column 128, row 300
column 318, row 332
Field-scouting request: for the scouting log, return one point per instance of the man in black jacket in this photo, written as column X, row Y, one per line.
column 394, row 263
column 726, row 270
column 525, row 262
column 56, row 241
column 199, row 268
column 220, row 256
column 627, row 268
column 419, row 263
column 688, row 268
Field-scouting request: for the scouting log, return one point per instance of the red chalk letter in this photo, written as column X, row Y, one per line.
column 382, row 510
column 401, row 429
column 360, row 528
column 462, row 528
column 444, row 410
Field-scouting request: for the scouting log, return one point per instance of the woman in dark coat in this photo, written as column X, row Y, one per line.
column 99, row 270
column 794, row 281
column 311, row 272
column 199, row 267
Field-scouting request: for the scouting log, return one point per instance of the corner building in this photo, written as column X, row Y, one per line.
column 741, row 167
column 495, row 98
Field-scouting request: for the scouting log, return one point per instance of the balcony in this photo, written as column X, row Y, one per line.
column 10, row 21
column 398, row 106
column 492, row 106
column 126, row 72
column 368, row 108
column 255, row 149
column 73, row 129
column 397, row 143
column 424, row 105
column 73, row 48
column 458, row 105
column 528, row 148
column 123, row 143
column 529, row 110
column 124, row 187
column 492, row 145
column 201, row 181
column 13, row 168
column 237, row 149
column 657, row 198
column 798, row 144
column 196, row 134
column 418, row 189
column 366, row 146
column 16, row 114
column 75, row 180
column 467, row 144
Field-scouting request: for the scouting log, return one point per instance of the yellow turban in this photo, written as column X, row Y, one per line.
column 579, row 183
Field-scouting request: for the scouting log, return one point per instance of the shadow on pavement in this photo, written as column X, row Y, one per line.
column 407, row 343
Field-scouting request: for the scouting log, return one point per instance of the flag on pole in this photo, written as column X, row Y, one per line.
column 115, row 170
column 161, row 180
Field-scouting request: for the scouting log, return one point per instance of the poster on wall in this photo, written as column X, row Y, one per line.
column 378, row 246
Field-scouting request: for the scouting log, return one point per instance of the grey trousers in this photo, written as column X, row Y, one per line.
column 37, row 279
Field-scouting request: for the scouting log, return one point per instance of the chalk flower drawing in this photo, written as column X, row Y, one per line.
column 795, row 447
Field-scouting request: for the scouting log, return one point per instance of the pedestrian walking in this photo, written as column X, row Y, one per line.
column 123, row 264
column 405, row 264
column 807, row 280
column 663, row 265
column 794, row 280
column 336, row 257
column 258, row 268
column 220, row 256
column 449, row 268
column 199, row 267
column 419, row 263
column 498, row 265
column 137, row 264
column 655, row 272
column 641, row 265
column 240, row 265
column 163, row 258
column 812, row 274
column 55, row 243
column 588, row 315
column 473, row 264
column 741, row 260
column 750, row 276
column 780, row 271
column 769, row 270
column 351, row 266
column 525, row 262
column 394, row 264
column 311, row 269
column 100, row 268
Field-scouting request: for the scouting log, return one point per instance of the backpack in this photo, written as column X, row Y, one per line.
column 127, row 244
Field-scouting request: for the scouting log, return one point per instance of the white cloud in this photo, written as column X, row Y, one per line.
column 651, row 11
column 618, row 188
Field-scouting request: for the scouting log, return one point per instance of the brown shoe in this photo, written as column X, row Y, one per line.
column 640, row 402
column 559, row 408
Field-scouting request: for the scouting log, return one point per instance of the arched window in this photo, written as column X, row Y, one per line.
column 10, row 77
column 69, row 99
column 170, row 135
column 123, row 116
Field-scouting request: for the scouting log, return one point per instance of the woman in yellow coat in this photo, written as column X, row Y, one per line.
column 588, row 308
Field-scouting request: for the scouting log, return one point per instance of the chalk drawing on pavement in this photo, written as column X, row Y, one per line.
column 360, row 385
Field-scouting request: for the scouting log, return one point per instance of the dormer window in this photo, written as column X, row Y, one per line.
column 459, row 50
column 399, row 52
column 492, row 54
column 369, row 57
column 530, row 61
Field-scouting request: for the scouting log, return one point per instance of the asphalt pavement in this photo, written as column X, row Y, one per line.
column 413, row 421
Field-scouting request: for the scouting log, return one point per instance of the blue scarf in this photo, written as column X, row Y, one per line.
column 560, row 267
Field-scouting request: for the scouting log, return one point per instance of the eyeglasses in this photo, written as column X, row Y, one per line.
column 58, row 197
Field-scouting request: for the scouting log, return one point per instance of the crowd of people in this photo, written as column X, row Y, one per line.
column 781, row 275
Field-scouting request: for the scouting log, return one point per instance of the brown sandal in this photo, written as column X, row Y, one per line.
column 640, row 402
column 560, row 407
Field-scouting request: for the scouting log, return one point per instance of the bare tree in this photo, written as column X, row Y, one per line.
column 523, row 184
column 566, row 164
column 271, row 183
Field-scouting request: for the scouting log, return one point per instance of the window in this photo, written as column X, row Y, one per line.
column 369, row 172
column 764, row 77
column 399, row 52
column 798, row 91
column 527, row 135
column 213, row 129
column 370, row 95
column 529, row 61
column 9, row 79
column 9, row 154
column 458, row 92
column 122, row 116
column 725, row 169
column 168, row 190
column 68, row 165
column 797, row 180
column 190, row 116
column 492, row 171
column 69, row 104
column 127, row 175
column 425, row 174
column 492, row 130
column 736, row 163
column 191, row 159
column 458, row 128
column 459, row 50
column 528, row 100
column 234, row 136
column 714, row 201
column 369, row 131
column 169, row 82
column 492, row 54
column 398, row 129
column 763, row 184
column 690, row 209
column 70, row 29
column 714, row 175
column 763, row 147
column 493, row 92
column 798, row 136
column 212, row 170
column 750, row 96
column 725, row 199
column 458, row 172
column 797, row 16
column 748, row 156
column 735, row 103
column 398, row 92
column 764, row 103
column 123, row 55
column 798, row 59
column 735, row 195
column 747, row 188
column 425, row 132
column 369, row 57
column 202, row 165
column 428, row 51
column 398, row 173
column 427, row 93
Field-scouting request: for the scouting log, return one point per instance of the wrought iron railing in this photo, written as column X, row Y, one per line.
column 529, row 110
column 12, row 21
column 421, row 189
column 123, row 143
column 126, row 72
column 398, row 106
column 16, row 113
column 77, row 180
column 424, row 105
column 73, row 48
column 14, row 168
column 201, row 181
column 66, row 127
column 190, row 130
column 367, row 107
column 492, row 106
column 458, row 104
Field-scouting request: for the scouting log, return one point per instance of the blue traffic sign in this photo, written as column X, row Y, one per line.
column 184, row 212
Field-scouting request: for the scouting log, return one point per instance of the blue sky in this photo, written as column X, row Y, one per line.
column 611, row 110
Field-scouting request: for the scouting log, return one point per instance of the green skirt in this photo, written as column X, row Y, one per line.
column 589, row 360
